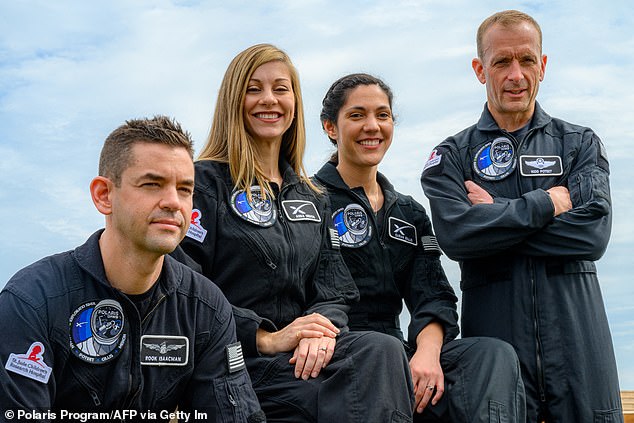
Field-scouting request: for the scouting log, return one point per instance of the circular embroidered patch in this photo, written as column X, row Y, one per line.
column 495, row 160
column 259, row 211
column 97, row 331
column 353, row 226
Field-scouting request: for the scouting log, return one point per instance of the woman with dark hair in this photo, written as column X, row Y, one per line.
column 388, row 244
column 261, row 230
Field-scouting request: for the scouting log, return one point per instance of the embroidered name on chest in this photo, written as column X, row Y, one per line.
column 402, row 231
column 164, row 350
column 300, row 210
column 541, row 166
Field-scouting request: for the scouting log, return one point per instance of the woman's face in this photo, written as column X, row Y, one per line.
column 269, row 104
column 364, row 127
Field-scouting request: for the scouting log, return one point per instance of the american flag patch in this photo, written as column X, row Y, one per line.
column 334, row 239
column 235, row 360
column 430, row 244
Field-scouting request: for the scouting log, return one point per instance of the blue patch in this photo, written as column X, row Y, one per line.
column 259, row 211
column 495, row 160
column 353, row 226
column 96, row 331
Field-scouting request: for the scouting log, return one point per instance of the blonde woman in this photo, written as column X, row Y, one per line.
column 262, row 231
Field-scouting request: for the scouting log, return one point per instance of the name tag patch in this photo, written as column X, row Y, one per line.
column 402, row 231
column 300, row 210
column 541, row 166
column 164, row 350
column 31, row 364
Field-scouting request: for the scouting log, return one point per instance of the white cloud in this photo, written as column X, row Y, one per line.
column 73, row 71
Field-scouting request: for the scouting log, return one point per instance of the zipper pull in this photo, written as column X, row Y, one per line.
column 95, row 398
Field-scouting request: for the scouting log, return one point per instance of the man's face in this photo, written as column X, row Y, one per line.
column 512, row 68
column 152, row 207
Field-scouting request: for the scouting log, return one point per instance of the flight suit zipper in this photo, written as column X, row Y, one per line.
column 538, row 343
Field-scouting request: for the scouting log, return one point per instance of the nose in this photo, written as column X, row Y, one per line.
column 371, row 124
column 268, row 97
column 170, row 199
column 515, row 72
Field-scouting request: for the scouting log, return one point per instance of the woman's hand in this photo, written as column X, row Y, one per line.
column 427, row 375
column 312, row 355
column 286, row 339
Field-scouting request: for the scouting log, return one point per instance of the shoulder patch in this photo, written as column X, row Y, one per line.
column 297, row 210
column 196, row 230
column 434, row 159
column 430, row 244
column 402, row 231
column 164, row 350
column 31, row 364
column 434, row 164
column 335, row 243
column 235, row 359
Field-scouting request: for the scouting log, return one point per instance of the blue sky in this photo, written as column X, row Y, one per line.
column 70, row 72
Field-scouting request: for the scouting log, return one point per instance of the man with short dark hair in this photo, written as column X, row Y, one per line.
column 522, row 201
column 116, row 325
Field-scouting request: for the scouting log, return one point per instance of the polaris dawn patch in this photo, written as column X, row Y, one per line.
column 164, row 350
column 541, row 166
column 196, row 230
column 31, row 364
column 402, row 231
column 495, row 160
column 296, row 210
column 353, row 226
column 96, row 331
column 259, row 211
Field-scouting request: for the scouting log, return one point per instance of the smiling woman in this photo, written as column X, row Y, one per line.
column 263, row 232
column 388, row 244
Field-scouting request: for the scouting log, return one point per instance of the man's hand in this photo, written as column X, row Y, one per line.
column 477, row 194
column 561, row 199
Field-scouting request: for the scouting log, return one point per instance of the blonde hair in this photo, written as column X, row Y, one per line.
column 229, row 142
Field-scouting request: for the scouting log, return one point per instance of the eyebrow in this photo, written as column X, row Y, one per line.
column 155, row 177
column 382, row 107
column 276, row 80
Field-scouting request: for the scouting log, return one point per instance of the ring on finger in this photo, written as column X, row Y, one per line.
column 323, row 349
column 430, row 387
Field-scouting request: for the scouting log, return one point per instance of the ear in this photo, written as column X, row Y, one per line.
column 543, row 67
column 100, row 191
column 331, row 129
column 478, row 68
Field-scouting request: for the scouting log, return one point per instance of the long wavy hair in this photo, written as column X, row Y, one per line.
column 229, row 141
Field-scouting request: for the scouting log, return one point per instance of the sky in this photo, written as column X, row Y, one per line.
column 72, row 71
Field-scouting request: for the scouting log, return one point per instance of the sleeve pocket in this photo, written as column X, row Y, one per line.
column 236, row 400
